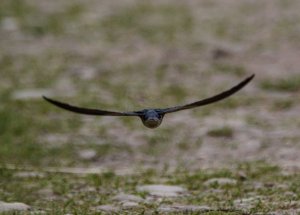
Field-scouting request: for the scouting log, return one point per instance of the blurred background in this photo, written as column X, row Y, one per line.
column 133, row 54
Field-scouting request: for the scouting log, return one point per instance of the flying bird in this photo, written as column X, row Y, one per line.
column 152, row 117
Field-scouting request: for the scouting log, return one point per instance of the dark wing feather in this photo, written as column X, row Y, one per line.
column 89, row 111
column 210, row 100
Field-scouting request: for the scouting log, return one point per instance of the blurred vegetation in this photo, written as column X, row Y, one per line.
column 287, row 84
column 156, row 23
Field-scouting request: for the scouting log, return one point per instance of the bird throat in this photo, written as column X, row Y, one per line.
column 152, row 123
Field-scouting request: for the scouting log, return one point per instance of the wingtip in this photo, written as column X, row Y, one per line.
column 47, row 99
column 247, row 80
column 252, row 76
column 44, row 97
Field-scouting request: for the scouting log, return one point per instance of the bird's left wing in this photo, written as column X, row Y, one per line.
column 210, row 100
column 89, row 111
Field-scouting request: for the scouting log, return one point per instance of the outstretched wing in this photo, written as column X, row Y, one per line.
column 210, row 100
column 90, row 111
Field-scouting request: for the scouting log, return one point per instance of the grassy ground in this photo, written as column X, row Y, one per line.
column 128, row 55
column 259, row 188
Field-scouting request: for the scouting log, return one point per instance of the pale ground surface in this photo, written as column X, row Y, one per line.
column 125, row 55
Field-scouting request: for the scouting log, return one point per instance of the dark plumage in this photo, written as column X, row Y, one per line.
column 152, row 118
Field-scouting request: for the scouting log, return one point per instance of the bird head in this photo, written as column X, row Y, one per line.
column 152, row 118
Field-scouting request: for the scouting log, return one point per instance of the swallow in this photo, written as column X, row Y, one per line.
column 152, row 117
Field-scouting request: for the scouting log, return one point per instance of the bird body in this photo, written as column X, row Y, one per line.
column 152, row 118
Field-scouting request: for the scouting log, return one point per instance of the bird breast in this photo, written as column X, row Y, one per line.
column 152, row 123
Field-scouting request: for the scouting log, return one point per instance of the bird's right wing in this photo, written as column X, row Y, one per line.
column 210, row 100
column 89, row 111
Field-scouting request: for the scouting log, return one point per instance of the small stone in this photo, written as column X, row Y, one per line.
column 9, row 24
column 106, row 208
column 46, row 192
column 258, row 185
column 281, row 212
column 220, row 181
column 130, row 205
column 242, row 175
column 220, row 53
column 290, row 194
column 29, row 175
column 87, row 154
column 89, row 189
column 246, row 203
column 39, row 211
column 122, row 197
column 153, row 199
column 293, row 203
column 84, row 72
column 65, row 86
column 13, row 206
column 183, row 208
column 29, row 94
column 282, row 186
column 162, row 190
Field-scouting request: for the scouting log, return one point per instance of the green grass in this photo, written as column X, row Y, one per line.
column 14, row 8
column 283, row 104
column 66, row 190
column 287, row 84
column 226, row 68
column 221, row 132
column 152, row 22
column 38, row 23
column 56, row 23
